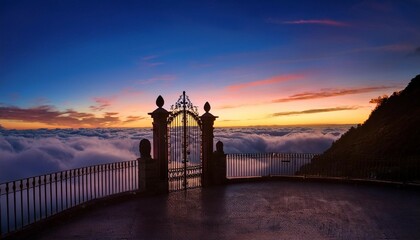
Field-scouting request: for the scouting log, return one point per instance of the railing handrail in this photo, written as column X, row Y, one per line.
column 63, row 171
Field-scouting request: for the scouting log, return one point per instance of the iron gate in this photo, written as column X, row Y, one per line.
column 184, row 145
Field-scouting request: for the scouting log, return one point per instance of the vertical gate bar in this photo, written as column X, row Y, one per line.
column 184, row 147
column 179, row 155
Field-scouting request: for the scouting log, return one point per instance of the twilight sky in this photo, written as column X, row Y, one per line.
column 103, row 63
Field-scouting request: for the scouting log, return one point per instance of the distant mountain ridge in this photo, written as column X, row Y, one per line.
column 389, row 137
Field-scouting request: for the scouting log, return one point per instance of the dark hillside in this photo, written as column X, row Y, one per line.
column 386, row 146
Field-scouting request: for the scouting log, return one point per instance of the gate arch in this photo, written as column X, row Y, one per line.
column 184, row 137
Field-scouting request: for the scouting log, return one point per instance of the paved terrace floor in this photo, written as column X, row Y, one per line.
column 259, row 210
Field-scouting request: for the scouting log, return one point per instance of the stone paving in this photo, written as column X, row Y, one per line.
column 263, row 210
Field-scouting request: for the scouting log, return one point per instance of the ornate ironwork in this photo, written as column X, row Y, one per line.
column 184, row 145
column 184, row 103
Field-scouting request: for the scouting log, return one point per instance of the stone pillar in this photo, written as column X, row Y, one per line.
column 207, row 120
column 160, row 138
column 148, row 171
column 219, row 165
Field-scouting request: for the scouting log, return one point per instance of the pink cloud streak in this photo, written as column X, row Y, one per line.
column 327, row 22
column 275, row 79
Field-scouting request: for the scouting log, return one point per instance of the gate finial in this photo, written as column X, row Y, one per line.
column 207, row 107
column 160, row 101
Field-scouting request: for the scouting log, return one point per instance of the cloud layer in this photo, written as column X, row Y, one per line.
column 25, row 153
column 278, row 139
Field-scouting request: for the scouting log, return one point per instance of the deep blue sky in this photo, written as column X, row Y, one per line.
column 120, row 55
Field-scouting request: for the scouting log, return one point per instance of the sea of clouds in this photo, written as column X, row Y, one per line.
column 25, row 153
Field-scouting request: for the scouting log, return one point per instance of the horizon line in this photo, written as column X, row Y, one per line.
column 233, row 126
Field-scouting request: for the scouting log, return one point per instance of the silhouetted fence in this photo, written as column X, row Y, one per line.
column 385, row 168
column 265, row 164
column 312, row 165
column 30, row 200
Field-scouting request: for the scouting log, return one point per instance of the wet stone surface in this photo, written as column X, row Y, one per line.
column 265, row 210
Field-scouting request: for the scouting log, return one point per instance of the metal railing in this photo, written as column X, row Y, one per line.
column 265, row 164
column 26, row 201
column 405, row 170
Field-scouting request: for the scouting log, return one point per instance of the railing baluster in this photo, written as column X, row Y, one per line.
column 51, row 198
column 78, row 185
column 21, row 203
column 94, row 181
column 34, row 196
column 39, row 197
column 1, row 215
column 45, row 195
column 27, row 200
column 65, row 178
column 56, row 193
column 14, row 204
column 7, row 207
column 90, row 183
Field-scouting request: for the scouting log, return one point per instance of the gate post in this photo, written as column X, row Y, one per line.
column 207, row 120
column 160, row 139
